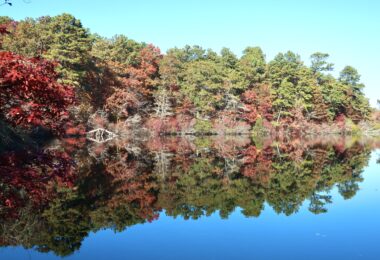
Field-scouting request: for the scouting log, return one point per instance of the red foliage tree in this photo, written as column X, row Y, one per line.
column 30, row 94
column 142, row 76
column 340, row 121
column 256, row 106
column 135, row 83
column 3, row 31
column 250, row 113
column 121, row 102
column 102, row 79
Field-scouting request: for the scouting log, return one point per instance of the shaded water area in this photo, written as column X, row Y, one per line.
column 189, row 197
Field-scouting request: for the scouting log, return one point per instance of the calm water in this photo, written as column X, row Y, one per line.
column 192, row 198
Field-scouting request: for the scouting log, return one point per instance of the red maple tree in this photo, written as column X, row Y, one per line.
column 256, row 106
column 143, row 75
column 30, row 94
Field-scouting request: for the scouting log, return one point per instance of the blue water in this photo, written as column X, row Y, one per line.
column 349, row 230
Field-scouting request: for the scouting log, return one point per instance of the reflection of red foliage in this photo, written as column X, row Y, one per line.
column 257, row 163
column 230, row 147
column 75, row 130
column 132, row 187
column 177, row 145
column 340, row 147
column 155, row 125
column 181, row 149
column 33, row 177
column 250, row 154
column 75, row 137
column 139, row 190
column 173, row 124
column 71, row 144
column 227, row 122
column 30, row 94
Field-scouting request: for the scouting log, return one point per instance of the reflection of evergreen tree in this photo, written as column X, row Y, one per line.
column 120, row 189
column 318, row 203
column 348, row 189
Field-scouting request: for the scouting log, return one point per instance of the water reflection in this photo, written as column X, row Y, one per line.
column 52, row 198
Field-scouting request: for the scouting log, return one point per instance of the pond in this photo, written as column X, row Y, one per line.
column 217, row 197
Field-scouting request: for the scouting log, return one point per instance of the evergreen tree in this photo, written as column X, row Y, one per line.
column 319, row 62
column 252, row 66
column 291, row 81
column 357, row 105
column 70, row 46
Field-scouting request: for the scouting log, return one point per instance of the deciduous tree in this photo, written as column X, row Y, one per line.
column 30, row 94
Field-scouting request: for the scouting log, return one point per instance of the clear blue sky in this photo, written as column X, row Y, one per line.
column 348, row 30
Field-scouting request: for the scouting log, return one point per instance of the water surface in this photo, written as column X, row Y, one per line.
column 192, row 198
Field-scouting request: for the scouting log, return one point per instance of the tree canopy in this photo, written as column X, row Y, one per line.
column 203, row 89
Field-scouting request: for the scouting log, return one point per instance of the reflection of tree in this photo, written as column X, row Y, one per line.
column 348, row 188
column 162, row 162
column 284, row 175
column 32, row 178
column 318, row 203
column 30, row 181
column 183, row 177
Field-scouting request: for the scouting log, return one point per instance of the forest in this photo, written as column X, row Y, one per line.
column 57, row 76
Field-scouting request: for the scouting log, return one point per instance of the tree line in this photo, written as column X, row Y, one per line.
column 53, row 70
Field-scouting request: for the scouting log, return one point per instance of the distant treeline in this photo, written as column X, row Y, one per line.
column 188, row 90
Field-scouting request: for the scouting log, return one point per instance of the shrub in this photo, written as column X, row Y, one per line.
column 203, row 126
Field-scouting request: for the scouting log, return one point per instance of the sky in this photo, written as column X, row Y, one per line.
column 348, row 30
